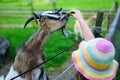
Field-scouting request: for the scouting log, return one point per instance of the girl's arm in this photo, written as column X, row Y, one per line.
column 87, row 33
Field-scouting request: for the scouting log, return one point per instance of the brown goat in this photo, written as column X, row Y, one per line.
column 31, row 53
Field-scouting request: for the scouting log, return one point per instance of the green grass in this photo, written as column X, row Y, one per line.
column 6, row 20
column 86, row 4
column 16, row 36
column 54, row 45
column 104, row 4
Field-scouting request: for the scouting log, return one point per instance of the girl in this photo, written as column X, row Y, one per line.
column 94, row 59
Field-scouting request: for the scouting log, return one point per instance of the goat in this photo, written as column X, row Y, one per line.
column 31, row 52
column 77, row 28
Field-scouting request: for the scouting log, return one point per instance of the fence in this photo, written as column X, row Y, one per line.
column 18, row 12
column 23, row 13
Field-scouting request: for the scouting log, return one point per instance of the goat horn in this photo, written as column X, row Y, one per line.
column 35, row 16
column 30, row 19
column 59, row 10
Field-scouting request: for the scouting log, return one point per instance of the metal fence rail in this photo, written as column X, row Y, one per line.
column 67, row 74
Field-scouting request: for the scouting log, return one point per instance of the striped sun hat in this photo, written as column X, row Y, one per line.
column 95, row 60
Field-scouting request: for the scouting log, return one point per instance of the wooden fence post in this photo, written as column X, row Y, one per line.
column 31, row 4
column 97, row 29
column 108, row 22
column 116, row 5
column 54, row 5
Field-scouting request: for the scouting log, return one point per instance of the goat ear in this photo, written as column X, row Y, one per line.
column 59, row 10
column 37, row 22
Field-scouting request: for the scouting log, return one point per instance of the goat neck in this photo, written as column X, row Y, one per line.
column 36, row 42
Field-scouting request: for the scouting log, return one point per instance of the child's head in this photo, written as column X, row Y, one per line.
column 95, row 60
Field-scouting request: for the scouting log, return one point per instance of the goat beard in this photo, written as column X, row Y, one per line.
column 65, row 31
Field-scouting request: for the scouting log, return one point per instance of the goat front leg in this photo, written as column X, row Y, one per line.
column 36, row 74
column 43, row 75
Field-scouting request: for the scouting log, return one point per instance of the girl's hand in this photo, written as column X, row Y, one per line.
column 76, row 14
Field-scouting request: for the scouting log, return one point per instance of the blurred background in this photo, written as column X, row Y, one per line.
column 14, row 13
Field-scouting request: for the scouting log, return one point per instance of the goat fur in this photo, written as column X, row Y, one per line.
column 31, row 52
